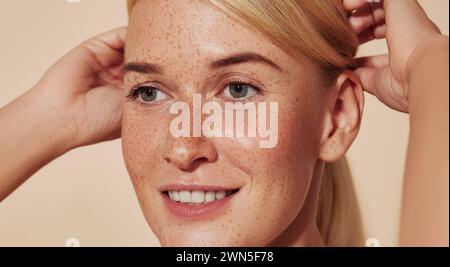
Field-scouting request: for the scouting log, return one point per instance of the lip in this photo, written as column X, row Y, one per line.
column 179, row 187
column 189, row 211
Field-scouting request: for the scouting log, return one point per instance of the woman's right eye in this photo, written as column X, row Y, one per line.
column 148, row 94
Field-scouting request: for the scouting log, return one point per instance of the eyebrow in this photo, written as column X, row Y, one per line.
column 243, row 57
column 142, row 67
column 235, row 59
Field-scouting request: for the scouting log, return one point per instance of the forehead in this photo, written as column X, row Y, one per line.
column 191, row 29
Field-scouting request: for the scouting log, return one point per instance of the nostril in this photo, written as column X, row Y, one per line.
column 187, row 165
column 192, row 166
column 189, row 153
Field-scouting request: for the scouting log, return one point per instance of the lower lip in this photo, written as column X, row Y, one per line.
column 189, row 211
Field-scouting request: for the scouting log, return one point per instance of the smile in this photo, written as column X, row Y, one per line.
column 198, row 197
column 197, row 202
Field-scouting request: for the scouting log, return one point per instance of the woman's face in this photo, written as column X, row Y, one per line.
column 191, row 47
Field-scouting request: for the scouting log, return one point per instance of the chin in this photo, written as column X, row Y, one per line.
column 200, row 240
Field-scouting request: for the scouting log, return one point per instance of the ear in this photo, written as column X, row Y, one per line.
column 343, row 117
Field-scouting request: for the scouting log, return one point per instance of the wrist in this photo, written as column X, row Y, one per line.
column 427, row 51
column 51, row 123
column 428, row 83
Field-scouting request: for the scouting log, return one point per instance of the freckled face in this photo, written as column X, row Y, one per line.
column 183, row 38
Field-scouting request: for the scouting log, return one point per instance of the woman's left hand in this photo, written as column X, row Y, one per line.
column 408, row 32
column 413, row 78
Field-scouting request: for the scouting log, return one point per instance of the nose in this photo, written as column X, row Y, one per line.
column 188, row 153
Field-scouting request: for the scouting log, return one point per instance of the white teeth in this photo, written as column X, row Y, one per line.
column 220, row 194
column 210, row 196
column 185, row 196
column 197, row 196
column 175, row 195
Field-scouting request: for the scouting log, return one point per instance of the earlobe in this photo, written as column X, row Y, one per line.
column 343, row 118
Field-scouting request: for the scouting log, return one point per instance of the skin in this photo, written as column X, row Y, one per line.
column 316, row 130
column 421, row 89
column 184, row 39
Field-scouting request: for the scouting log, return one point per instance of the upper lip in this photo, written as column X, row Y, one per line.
column 194, row 187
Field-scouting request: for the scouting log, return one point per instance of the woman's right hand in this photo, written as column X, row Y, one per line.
column 77, row 102
column 84, row 89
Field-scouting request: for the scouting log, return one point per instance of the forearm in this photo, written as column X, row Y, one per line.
column 425, row 207
column 31, row 136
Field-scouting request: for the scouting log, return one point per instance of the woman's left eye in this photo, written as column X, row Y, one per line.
column 239, row 91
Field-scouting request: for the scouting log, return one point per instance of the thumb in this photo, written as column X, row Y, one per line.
column 381, row 83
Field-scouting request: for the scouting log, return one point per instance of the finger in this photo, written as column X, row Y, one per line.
column 107, row 48
column 376, row 62
column 351, row 5
column 379, row 31
column 361, row 19
column 118, row 75
column 89, row 64
column 381, row 84
column 114, row 38
column 117, row 71
column 378, row 13
column 373, row 80
column 366, row 17
column 111, row 76
column 377, row 82
column 374, row 32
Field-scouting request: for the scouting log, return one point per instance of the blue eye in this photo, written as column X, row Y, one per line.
column 239, row 90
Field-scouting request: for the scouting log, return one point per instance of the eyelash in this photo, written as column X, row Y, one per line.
column 134, row 93
column 236, row 81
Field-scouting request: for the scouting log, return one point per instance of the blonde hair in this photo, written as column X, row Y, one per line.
column 319, row 31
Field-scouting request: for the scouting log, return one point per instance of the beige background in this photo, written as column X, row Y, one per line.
column 86, row 194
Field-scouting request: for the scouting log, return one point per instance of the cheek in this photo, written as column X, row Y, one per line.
column 280, row 176
column 142, row 137
column 293, row 155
